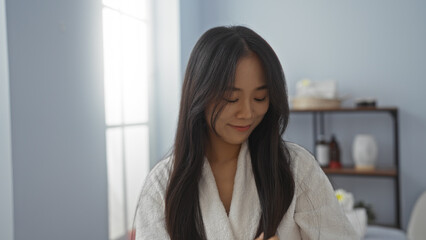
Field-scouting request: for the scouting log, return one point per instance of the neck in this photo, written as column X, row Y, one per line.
column 219, row 151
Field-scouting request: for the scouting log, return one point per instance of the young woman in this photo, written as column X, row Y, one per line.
column 231, row 176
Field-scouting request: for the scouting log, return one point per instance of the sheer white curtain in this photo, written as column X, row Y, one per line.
column 142, row 93
column 127, row 41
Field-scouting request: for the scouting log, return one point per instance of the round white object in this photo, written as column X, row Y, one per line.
column 364, row 151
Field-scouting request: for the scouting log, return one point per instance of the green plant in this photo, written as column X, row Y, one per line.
column 370, row 213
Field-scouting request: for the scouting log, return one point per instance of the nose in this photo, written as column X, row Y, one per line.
column 245, row 110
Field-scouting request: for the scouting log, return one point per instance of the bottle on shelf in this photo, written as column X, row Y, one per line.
column 322, row 151
column 334, row 153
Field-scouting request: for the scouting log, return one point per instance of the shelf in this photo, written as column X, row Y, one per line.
column 347, row 109
column 352, row 171
column 349, row 171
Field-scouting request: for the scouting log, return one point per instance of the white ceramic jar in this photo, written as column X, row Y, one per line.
column 364, row 151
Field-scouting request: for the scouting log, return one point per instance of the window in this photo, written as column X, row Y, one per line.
column 127, row 75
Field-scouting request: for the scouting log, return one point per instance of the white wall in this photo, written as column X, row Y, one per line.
column 6, row 193
column 57, row 118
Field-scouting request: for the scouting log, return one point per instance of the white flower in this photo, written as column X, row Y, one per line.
column 345, row 199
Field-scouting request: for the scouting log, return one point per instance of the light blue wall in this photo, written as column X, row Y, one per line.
column 176, row 27
column 6, row 189
column 57, row 116
column 167, row 77
column 373, row 48
column 190, row 27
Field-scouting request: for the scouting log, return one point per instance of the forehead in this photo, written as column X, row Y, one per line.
column 249, row 73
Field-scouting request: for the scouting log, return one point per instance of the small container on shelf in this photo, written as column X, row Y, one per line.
column 322, row 151
column 364, row 152
column 334, row 153
column 366, row 103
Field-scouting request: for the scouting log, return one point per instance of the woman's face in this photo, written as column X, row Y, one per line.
column 246, row 106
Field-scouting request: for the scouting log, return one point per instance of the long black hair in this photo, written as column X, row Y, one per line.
column 210, row 71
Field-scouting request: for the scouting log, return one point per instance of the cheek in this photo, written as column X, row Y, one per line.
column 262, row 109
column 221, row 119
column 227, row 113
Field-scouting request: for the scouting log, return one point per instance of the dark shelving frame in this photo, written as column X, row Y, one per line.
column 318, row 122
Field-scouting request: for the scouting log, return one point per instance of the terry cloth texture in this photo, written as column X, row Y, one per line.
column 314, row 212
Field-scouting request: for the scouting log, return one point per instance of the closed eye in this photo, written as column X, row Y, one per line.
column 260, row 99
column 236, row 100
column 231, row 101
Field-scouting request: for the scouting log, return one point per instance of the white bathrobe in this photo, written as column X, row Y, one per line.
column 314, row 212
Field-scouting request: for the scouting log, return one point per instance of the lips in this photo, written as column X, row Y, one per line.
column 241, row 128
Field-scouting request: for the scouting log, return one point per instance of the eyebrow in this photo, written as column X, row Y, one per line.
column 239, row 89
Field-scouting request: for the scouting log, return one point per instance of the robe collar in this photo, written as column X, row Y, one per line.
column 244, row 213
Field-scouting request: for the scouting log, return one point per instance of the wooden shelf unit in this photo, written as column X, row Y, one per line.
column 358, row 172
column 393, row 173
column 346, row 109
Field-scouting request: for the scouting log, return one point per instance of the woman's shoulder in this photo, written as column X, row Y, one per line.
column 302, row 162
column 157, row 179
column 299, row 153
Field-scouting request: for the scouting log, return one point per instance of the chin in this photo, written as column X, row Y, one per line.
column 236, row 140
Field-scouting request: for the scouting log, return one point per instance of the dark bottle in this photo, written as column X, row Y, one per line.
column 334, row 153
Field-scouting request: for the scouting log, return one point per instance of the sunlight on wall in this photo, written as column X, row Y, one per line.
column 127, row 34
